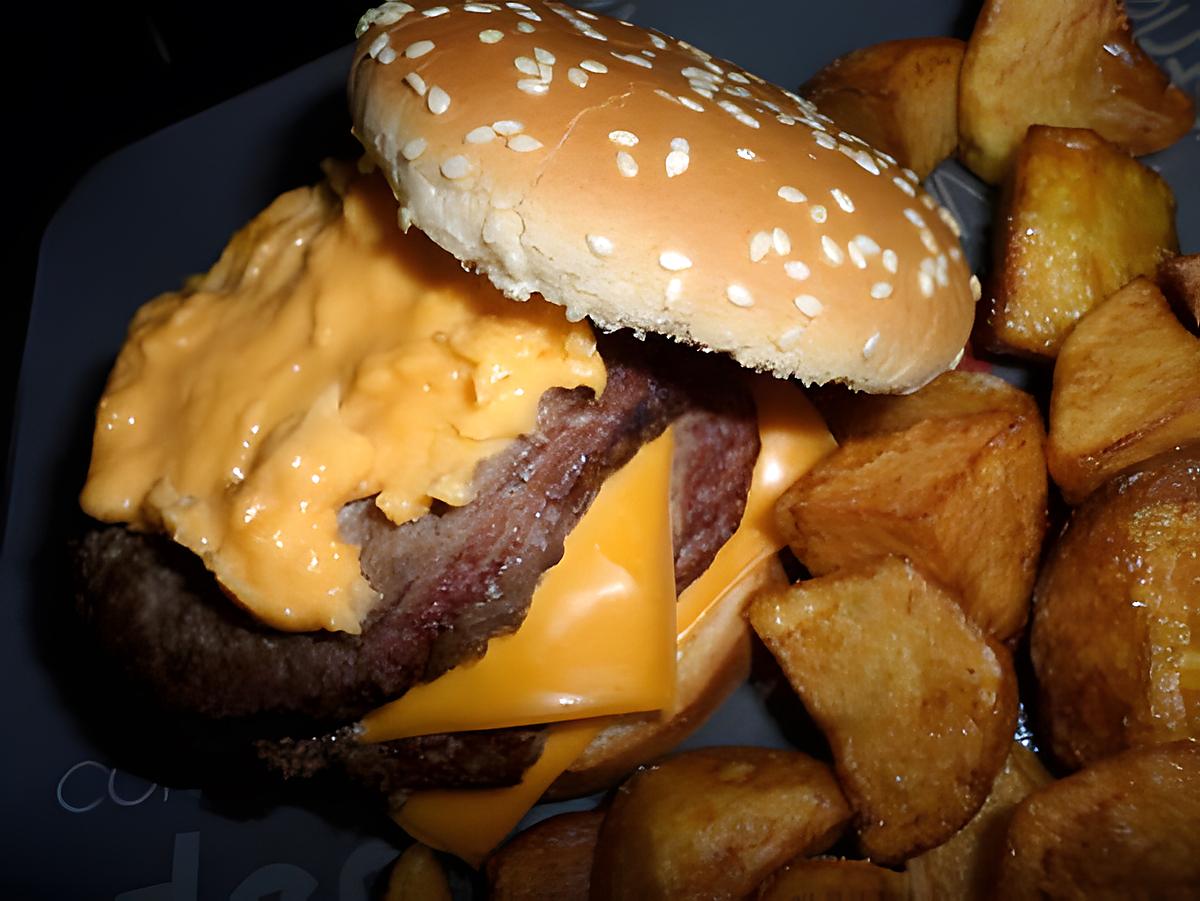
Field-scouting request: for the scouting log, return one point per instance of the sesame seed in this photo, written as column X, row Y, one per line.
column 739, row 296
column 665, row 95
column 533, row 86
column 476, row 8
column 925, row 280
column 599, row 245
column 796, row 270
column 942, row 272
column 674, row 290
column 866, row 245
column 381, row 41
column 626, row 164
column 546, row 73
column 674, row 261
column 864, row 159
column 624, row 138
column 781, row 242
column 709, row 64
column 699, row 87
column 387, row 56
column 856, row 256
column 418, row 48
column 508, row 127
column 691, row 72
column 928, row 202
column 785, row 120
column 586, row 14
column 529, row 14
column 456, row 167
column 976, row 288
column 635, row 60
column 739, row 77
column 543, row 56
column 435, row 11
column 735, row 91
column 747, row 120
column 677, row 163
column 760, row 246
column 928, row 240
column 951, row 223
column 881, row 290
column 955, row 254
column 914, row 217
column 890, row 261
column 481, row 135
column 911, row 176
column 833, row 253
column 416, row 82
column 691, row 104
column 746, row 153
column 438, row 100
column 870, row 345
column 790, row 338
column 791, row 195
column 904, row 186
column 818, row 213
column 843, row 200
column 650, row 54
column 825, row 140
column 414, row 148
column 524, row 143
column 590, row 65
column 491, row 36
column 525, row 28
column 808, row 305
column 658, row 42
column 577, row 77
column 526, row 65
column 681, row 144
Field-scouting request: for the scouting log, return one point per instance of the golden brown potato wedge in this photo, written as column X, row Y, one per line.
column 1126, row 387
column 1072, row 63
column 417, row 876
column 1127, row 827
column 966, row 497
column 965, row 867
column 714, row 823
column 1179, row 278
column 917, row 703
column 830, row 879
column 852, row 414
column 549, row 861
column 900, row 96
column 1116, row 626
column 1079, row 219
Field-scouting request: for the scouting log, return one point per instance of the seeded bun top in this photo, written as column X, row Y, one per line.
column 638, row 181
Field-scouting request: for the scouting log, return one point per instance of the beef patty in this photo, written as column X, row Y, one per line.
column 450, row 580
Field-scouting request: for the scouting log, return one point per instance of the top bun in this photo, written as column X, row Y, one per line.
column 636, row 180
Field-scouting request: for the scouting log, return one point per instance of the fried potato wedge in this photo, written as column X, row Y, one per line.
column 852, row 414
column 549, row 861
column 966, row 497
column 714, row 823
column 1072, row 63
column 1116, row 626
column 917, row 703
column 965, row 867
column 830, row 879
column 1127, row 827
column 1079, row 219
column 1179, row 278
column 417, row 874
column 900, row 96
column 1126, row 387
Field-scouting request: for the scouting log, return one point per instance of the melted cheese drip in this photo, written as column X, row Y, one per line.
column 599, row 637
column 325, row 358
column 471, row 823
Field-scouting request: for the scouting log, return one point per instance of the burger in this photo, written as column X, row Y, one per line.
column 456, row 469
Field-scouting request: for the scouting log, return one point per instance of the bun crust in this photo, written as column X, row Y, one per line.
column 713, row 660
column 636, row 180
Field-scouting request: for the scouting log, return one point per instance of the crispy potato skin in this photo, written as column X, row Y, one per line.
column 1179, row 278
column 918, row 705
column 550, row 861
column 1126, row 387
column 965, row 867
column 1127, row 827
column 1079, row 218
column 714, row 823
column 1116, row 629
column 1071, row 63
column 826, row 878
column 900, row 96
column 965, row 496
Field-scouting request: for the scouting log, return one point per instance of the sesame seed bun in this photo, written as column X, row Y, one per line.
column 636, row 180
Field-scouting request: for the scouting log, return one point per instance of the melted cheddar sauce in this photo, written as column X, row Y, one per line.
column 325, row 358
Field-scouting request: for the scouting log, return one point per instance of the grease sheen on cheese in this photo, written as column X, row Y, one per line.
column 324, row 358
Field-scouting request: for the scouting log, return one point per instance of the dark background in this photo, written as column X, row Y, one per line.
column 92, row 78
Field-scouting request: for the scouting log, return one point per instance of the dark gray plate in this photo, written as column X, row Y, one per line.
column 87, row 810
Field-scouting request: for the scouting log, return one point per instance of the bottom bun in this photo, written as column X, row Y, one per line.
column 713, row 660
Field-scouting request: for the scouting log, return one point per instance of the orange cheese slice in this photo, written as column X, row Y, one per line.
column 794, row 437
